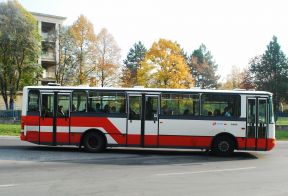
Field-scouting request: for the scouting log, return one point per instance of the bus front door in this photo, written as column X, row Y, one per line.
column 142, row 121
column 257, row 123
column 55, row 118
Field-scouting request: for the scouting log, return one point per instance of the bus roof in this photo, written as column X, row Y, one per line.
column 139, row 89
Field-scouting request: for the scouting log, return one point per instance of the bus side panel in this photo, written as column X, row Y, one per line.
column 46, row 130
column 133, row 139
column 198, row 132
column 185, row 141
column 271, row 141
column 62, row 135
column 113, row 128
column 31, row 128
column 271, row 144
column 250, row 143
column 241, row 142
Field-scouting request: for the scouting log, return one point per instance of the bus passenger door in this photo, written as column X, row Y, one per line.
column 262, row 124
column 134, row 134
column 151, row 120
column 46, row 119
column 62, row 118
column 55, row 118
column 257, row 126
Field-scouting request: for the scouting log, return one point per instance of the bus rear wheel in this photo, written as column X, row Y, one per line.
column 94, row 142
column 223, row 146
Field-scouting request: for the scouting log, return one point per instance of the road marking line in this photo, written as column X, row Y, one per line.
column 187, row 164
column 7, row 185
column 206, row 171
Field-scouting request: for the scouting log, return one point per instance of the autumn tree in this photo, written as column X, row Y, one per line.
column 247, row 80
column 203, row 68
column 107, row 56
column 19, row 50
column 164, row 67
column 239, row 79
column 66, row 67
column 234, row 79
column 135, row 55
column 84, row 38
column 270, row 72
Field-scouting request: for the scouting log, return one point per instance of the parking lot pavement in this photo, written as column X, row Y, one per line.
column 27, row 169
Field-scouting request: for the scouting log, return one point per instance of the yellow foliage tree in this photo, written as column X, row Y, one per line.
column 107, row 55
column 164, row 67
column 82, row 32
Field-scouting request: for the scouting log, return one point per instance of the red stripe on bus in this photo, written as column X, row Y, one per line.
column 241, row 142
column 271, row 143
column 185, row 141
column 105, row 123
column 32, row 136
column 149, row 140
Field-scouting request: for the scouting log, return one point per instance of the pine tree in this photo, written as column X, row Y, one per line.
column 132, row 63
column 270, row 72
column 203, row 68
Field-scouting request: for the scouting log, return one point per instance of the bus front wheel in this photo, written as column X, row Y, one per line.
column 223, row 146
column 94, row 142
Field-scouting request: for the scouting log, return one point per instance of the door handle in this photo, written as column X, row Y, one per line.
column 155, row 118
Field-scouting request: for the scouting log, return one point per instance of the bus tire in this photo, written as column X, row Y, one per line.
column 223, row 145
column 94, row 142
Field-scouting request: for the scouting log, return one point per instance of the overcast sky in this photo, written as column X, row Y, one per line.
column 234, row 31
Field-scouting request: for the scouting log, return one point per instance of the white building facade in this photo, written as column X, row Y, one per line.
column 49, row 26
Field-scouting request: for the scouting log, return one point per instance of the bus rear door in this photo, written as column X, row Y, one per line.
column 257, row 123
column 142, row 121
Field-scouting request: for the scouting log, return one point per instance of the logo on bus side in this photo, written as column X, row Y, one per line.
column 218, row 124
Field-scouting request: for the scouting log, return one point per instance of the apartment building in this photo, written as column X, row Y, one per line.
column 49, row 26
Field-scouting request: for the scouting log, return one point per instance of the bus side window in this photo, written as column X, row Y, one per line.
column 79, row 102
column 180, row 104
column 221, row 105
column 33, row 101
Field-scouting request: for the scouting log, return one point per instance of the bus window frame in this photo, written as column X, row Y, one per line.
column 222, row 117
column 99, row 114
column 180, row 116
column 33, row 113
column 71, row 103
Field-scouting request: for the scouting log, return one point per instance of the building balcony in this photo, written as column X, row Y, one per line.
column 48, row 37
column 48, row 56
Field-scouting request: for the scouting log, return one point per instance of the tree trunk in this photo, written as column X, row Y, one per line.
column 5, row 101
column 11, row 103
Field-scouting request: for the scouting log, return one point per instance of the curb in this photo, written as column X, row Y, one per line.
column 9, row 137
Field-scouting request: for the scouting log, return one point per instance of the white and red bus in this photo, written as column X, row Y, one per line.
column 96, row 118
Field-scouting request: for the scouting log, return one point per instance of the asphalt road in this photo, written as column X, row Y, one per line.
column 27, row 169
